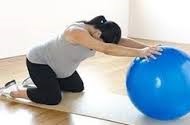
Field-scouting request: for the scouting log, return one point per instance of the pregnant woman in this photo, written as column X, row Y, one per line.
column 52, row 65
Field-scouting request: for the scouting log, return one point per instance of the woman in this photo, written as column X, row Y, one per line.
column 52, row 66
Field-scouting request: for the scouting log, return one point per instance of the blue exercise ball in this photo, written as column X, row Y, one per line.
column 160, row 88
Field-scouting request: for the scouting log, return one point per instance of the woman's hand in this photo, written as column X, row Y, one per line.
column 150, row 52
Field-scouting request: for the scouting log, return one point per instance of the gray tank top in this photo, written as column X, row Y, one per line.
column 62, row 56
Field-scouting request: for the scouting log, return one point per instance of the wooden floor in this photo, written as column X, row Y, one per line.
column 99, row 73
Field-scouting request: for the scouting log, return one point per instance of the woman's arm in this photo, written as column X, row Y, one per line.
column 128, row 42
column 82, row 37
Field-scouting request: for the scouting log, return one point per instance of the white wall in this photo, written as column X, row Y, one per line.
column 25, row 23
column 167, row 20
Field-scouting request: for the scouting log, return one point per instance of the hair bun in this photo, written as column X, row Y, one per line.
column 102, row 19
column 98, row 20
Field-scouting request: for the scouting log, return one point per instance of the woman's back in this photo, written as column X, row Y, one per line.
column 61, row 55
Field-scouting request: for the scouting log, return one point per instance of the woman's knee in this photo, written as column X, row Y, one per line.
column 54, row 99
column 48, row 97
column 80, row 89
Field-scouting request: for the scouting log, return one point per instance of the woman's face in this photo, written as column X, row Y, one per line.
column 96, row 34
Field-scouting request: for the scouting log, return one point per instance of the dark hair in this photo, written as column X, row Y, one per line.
column 111, row 32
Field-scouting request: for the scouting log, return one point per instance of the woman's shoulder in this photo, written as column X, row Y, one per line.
column 75, row 29
column 69, row 31
column 76, row 25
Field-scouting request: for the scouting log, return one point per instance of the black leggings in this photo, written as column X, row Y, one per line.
column 49, row 87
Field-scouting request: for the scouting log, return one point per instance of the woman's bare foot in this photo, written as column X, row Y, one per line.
column 19, row 94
